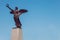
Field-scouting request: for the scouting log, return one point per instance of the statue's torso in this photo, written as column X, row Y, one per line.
column 16, row 12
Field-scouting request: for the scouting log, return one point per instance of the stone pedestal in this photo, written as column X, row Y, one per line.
column 16, row 34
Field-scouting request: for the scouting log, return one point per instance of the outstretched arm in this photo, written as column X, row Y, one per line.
column 23, row 10
column 8, row 7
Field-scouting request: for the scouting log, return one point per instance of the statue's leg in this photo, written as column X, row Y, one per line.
column 17, row 22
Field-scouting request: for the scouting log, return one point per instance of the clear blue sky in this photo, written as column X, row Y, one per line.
column 41, row 22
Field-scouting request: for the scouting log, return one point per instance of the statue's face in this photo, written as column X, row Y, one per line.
column 16, row 8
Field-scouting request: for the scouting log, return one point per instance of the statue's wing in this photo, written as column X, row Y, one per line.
column 22, row 10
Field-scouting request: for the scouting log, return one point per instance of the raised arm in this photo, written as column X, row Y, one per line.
column 8, row 7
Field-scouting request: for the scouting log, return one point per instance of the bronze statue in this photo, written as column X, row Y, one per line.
column 16, row 14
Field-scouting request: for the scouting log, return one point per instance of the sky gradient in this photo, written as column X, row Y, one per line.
column 41, row 22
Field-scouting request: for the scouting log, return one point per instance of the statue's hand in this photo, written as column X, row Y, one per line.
column 7, row 5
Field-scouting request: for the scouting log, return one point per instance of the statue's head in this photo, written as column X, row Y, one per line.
column 16, row 8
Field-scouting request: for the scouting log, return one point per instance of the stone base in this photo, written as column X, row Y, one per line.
column 16, row 34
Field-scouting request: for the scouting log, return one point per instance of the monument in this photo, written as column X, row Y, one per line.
column 16, row 31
